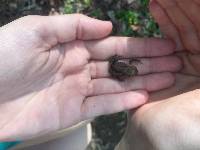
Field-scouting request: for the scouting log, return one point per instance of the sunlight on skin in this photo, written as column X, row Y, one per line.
column 56, row 66
column 171, row 119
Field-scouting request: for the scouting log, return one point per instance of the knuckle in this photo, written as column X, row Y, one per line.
column 79, row 32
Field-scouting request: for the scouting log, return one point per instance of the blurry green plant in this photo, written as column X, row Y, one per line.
column 128, row 16
column 140, row 19
column 76, row 6
column 144, row 3
column 128, row 21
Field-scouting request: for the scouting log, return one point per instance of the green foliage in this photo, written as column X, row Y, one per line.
column 139, row 18
column 76, row 6
column 128, row 16
column 68, row 8
column 96, row 13
column 128, row 21
column 144, row 3
column 87, row 2
column 136, row 23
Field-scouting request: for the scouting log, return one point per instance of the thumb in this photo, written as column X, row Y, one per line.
column 65, row 28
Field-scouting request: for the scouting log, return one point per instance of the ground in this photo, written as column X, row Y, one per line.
column 129, row 17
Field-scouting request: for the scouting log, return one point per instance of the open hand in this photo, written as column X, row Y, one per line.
column 171, row 120
column 54, row 73
column 179, row 20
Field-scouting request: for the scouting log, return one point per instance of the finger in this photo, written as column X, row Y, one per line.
column 112, row 103
column 183, row 24
column 129, row 47
column 165, row 25
column 191, row 9
column 65, row 28
column 146, row 66
column 197, row 1
column 191, row 64
column 152, row 82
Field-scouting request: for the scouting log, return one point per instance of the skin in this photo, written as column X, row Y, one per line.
column 171, row 119
column 53, row 68
column 180, row 24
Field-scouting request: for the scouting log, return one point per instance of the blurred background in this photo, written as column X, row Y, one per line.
column 129, row 17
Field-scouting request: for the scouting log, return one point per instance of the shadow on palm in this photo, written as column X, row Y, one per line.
column 187, row 79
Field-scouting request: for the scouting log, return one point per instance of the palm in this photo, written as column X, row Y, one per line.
column 50, row 73
column 59, row 76
column 187, row 80
column 170, row 120
column 172, row 109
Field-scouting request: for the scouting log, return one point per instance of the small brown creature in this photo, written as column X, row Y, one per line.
column 120, row 69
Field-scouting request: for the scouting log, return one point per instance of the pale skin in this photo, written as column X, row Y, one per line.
column 171, row 119
column 54, row 73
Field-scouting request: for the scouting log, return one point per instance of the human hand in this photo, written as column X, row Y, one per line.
column 170, row 120
column 179, row 20
column 54, row 73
